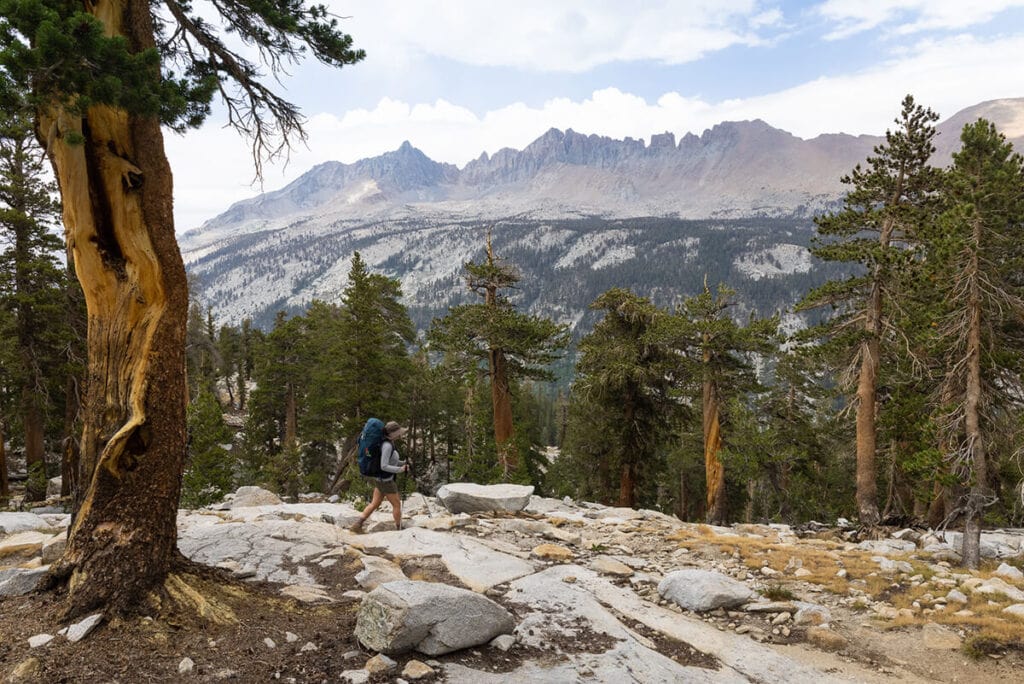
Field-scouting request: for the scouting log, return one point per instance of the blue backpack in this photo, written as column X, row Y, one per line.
column 370, row 442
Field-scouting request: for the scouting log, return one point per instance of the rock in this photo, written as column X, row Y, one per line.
column 780, row 619
column 416, row 669
column 53, row 548
column 377, row 571
column 543, row 506
column 22, row 581
column 824, row 638
column 290, row 637
column 379, row 663
column 802, row 572
column 994, row 585
column 770, row 607
column 53, row 486
column 556, row 616
column 956, row 595
column 466, row 497
column 355, row 676
column 701, row 590
column 428, row 617
column 1009, row 572
column 307, row 594
column 811, row 614
column 887, row 546
column 618, row 514
column 944, row 553
column 39, row 640
column 471, row 560
column 889, row 565
column 80, row 630
column 269, row 643
column 186, row 666
column 309, row 647
column 253, row 496
column 887, row 612
column 1016, row 609
column 552, row 552
column 503, row 642
column 22, row 545
column 27, row 670
column 12, row 523
column 939, row 638
column 609, row 566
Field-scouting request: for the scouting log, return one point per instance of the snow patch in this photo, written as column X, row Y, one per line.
column 784, row 259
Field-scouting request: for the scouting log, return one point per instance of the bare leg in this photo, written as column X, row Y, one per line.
column 368, row 511
column 396, row 509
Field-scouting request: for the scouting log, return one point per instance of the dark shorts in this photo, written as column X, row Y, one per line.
column 385, row 486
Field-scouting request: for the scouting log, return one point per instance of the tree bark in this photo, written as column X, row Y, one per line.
column 501, row 401
column 971, row 551
column 867, row 485
column 35, row 458
column 684, row 501
column 714, row 471
column 70, row 446
column 117, row 203
column 5, row 486
column 627, row 485
column 291, row 419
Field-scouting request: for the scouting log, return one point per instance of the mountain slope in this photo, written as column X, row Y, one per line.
column 568, row 209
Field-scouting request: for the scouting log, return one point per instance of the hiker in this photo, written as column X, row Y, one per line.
column 384, row 485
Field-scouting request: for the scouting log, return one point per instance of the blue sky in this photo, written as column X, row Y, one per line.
column 458, row 77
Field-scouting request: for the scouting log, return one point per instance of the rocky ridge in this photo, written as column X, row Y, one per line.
column 595, row 593
column 573, row 211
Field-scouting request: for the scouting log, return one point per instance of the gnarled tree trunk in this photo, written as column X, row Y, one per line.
column 116, row 190
column 714, row 471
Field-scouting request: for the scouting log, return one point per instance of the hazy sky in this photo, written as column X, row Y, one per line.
column 460, row 77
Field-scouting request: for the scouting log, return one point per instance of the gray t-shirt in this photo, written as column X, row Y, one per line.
column 390, row 463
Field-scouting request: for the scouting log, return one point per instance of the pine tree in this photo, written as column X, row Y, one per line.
column 103, row 79
column 621, row 399
column 513, row 344
column 880, row 217
column 720, row 347
column 372, row 348
column 31, row 287
column 208, row 471
column 977, row 253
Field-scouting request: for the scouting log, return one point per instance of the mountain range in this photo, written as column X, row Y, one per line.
column 568, row 207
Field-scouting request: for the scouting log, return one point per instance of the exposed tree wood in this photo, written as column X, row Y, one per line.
column 118, row 217
column 714, row 471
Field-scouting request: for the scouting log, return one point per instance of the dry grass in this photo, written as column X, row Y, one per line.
column 991, row 629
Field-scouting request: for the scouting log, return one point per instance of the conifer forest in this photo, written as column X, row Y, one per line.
column 902, row 403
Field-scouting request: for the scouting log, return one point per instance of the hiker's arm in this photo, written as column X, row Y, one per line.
column 385, row 459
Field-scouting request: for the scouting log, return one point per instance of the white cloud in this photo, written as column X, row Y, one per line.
column 564, row 36
column 212, row 166
column 906, row 17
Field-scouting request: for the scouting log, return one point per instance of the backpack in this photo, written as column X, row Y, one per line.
column 370, row 442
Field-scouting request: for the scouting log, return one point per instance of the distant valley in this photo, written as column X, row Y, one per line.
column 577, row 214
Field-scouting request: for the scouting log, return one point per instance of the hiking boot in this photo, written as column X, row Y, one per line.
column 357, row 526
